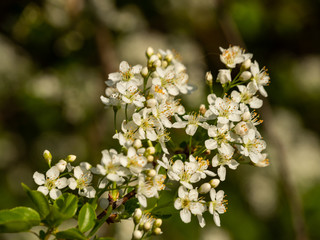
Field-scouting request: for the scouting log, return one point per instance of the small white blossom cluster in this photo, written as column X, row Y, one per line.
column 221, row 134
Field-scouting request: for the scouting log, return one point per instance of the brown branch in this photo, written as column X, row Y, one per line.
column 115, row 205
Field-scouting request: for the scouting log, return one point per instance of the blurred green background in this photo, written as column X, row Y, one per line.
column 55, row 56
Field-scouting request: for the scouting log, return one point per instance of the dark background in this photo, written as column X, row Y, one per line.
column 55, row 56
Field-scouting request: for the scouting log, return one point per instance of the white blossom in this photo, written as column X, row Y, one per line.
column 51, row 183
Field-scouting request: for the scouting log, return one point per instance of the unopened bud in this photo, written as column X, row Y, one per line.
column 246, row 75
column 144, row 72
column 71, row 158
column 246, row 64
column 204, row 188
column 157, row 63
column 214, row 182
column 61, row 165
column 150, row 158
column 241, row 128
column 152, row 102
column 151, row 172
column 157, row 222
column 169, row 57
column 47, row 156
column 137, row 234
column 209, row 78
column 137, row 143
column 146, row 226
column 157, row 231
column 149, row 52
column 202, row 109
column 137, row 215
column 151, row 150
column 164, row 64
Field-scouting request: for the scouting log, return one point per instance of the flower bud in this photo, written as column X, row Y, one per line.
column 246, row 64
column 157, row 63
column 157, row 231
column 149, row 52
column 214, row 182
column 144, row 72
column 202, row 109
column 151, row 173
column 61, row 165
column 137, row 143
column 137, row 215
column 204, row 188
column 146, row 226
column 224, row 76
column 150, row 158
column 47, row 156
column 157, row 222
column 151, row 150
column 209, row 78
column 241, row 128
column 152, row 102
column 71, row 158
column 246, row 75
column 164, row 64
column 169, row 57
column 137, row 234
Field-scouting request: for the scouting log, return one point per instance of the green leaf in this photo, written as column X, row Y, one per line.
column 18, row 219
column 165, row 206
column 67, row 203
column 72, row 234
column 101, row 221
column 86, row 219
column 39, row 200
column 131, row 205
column 64, row 207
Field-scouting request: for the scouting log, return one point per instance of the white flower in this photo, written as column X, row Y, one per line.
column 233, row 55
column 224, row 158
column 128, row 134
column 127, row 74
column 186, row 173
column 188, row 203
column 82, row 180
column 260, row 78
column 133, row 161
column 202, row 166
column 110, row 167
column 219, row 135
column 226, row 110
column 146, row 124
column 246, row 96
column 148, row 187
column 113, row 97
column 217, row 205
column 193, row 121
column 252, row 146
column 224, row 76
column 51, row 182
column 130, row 94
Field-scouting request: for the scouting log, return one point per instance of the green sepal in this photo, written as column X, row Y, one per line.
column 19, row 219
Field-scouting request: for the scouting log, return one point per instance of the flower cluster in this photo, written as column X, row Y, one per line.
column 223, row 133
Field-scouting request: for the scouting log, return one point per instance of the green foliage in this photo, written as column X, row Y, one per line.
column 64, row 207
column 40, row 201
column 72, row 234
column 86, row 218
column 18, row 219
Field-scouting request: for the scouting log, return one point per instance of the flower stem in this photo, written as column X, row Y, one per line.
column 190, row 144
